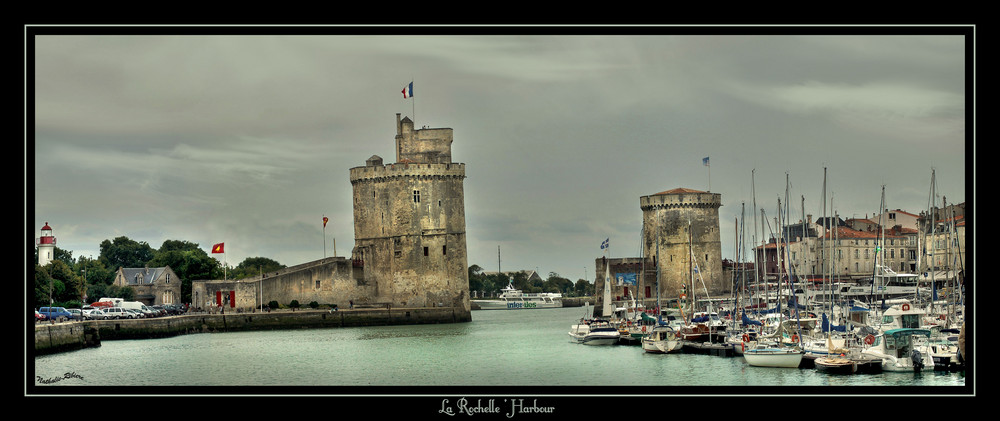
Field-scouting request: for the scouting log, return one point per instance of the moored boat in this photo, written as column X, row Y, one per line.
column 579, row 331
column 835, row 365
column 514, row 299
column 898, row 351
column 601, row 335
column 662, row 339
column 764, row 355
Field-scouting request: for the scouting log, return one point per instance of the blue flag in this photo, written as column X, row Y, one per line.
column 605, row 244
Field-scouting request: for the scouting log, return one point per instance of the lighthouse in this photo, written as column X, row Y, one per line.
column 46, row 245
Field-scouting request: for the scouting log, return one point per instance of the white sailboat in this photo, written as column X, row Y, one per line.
column 662, row 338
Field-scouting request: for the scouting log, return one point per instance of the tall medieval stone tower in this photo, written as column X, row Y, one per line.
column 686, row 224
column 409, row 222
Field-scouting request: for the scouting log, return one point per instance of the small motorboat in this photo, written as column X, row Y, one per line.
column 662, row 339
column 602, row 335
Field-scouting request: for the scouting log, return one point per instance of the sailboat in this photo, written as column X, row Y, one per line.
column 771, row 351
column 602, row 332
column 662, row 338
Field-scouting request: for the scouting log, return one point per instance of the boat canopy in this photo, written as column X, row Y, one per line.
column 748, row 322
column 827, row 326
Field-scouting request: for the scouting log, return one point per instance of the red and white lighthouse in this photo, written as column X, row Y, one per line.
column 46, row 245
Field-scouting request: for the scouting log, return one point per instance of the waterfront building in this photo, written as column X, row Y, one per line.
column 409, row 240
column 685, row 223
column 409, row 221
column 151, row 286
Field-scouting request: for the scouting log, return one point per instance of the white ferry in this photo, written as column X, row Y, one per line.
column 513, row 299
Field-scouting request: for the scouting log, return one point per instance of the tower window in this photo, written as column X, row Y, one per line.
column 416, row 196
column 425, row 251
column 444, row 250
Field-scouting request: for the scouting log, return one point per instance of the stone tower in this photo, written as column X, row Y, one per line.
column 686, row 224
column 409, row 222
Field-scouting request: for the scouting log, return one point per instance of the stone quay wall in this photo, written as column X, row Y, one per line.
column 68, row 336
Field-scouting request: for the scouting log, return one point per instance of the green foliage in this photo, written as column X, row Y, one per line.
column 556, row 283
column 313, row 305
column 583, row 288
column 273, row 304
column 255, row 266
column 125, row 252
column 294, row 304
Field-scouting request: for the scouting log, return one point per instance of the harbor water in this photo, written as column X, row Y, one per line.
column 499, row 348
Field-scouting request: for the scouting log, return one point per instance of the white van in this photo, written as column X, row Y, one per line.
column 137, row 306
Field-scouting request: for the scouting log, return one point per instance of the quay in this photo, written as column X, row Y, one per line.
column 74, row 335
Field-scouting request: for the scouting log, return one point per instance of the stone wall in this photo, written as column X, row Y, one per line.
column 326, row 281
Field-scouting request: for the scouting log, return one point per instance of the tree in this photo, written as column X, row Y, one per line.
column 254, row 266
column 123, row 252
column 556, row 283
column 583, row 288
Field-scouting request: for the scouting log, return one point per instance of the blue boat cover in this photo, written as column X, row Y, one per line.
column 827, row 326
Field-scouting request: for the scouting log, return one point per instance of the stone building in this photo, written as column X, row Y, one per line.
column 685, row 224
column 409, row 221
column 409, row 240
column 152, row 286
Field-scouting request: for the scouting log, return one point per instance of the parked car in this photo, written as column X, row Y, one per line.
column 117, row 313
column 39, row 317
column 136, row 314
column 55, row 313
column 174, row 308
column 93, row 314
column 77, row 314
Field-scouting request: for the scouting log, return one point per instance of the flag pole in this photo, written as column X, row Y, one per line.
column 324, row 236
column 705, row 162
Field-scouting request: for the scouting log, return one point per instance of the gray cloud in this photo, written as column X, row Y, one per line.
column 249, row 139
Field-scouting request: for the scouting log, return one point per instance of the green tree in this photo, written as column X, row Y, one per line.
column 59, row 282
column 584, row 288
column 254, row 266
column 123, row 252
column 521, row 282
column 556, row 283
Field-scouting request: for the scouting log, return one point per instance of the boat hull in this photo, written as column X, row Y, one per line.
column 601, row 336
column 773, row 358
column 515, row 304
column 835, row 365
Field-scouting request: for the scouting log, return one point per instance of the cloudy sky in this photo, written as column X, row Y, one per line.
column 248, row 139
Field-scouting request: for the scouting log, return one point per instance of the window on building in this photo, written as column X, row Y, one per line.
column 416, row 196
column 444, row 250
column 425, row 251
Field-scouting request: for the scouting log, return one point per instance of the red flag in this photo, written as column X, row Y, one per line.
column 218, row 248
column 325, row 219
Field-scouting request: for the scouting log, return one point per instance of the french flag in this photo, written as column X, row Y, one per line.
column 408, row 91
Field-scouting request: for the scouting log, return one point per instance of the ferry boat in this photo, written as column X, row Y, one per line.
column 514, row 299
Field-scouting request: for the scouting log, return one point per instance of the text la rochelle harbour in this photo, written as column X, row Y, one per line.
column 514, row 406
